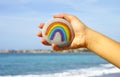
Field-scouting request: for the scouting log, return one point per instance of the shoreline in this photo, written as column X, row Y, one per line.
column 81, row 50
column 110, row 75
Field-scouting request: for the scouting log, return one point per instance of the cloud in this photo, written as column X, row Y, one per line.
column 19, row 18
column 89, row 6
column 11, row 2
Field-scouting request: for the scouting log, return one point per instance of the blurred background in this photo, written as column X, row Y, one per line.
column 19, row 19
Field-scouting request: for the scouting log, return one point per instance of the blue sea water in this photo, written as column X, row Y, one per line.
column 54, row 65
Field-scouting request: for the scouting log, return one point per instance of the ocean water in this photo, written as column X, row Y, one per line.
column 54, row 65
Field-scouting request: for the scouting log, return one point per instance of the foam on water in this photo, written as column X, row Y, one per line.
column 100, row 70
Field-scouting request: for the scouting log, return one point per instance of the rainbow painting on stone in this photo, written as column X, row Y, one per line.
column 61, row 28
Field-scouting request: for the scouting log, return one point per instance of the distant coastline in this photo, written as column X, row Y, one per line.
column 81, row 50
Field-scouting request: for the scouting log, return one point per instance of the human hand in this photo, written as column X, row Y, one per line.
column 78, row 27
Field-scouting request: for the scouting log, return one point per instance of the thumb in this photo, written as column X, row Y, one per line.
column 68, row 17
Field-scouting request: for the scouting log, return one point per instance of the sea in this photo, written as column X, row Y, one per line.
column 54, row 65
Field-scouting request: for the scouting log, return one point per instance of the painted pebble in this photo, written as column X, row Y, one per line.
column 58, row 31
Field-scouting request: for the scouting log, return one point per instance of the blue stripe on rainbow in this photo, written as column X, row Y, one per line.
column 61, row 31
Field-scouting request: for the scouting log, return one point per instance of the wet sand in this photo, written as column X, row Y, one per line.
column 110, row 75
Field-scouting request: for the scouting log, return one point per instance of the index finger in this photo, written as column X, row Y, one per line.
column 41, row 25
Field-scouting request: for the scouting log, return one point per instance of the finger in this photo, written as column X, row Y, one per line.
column 41, row 25
column 66, row 16
column 39, row 34
column 43, row 41
column 58, row 15
column 56, row 48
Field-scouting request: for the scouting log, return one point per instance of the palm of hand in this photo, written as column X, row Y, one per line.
column 79, row 30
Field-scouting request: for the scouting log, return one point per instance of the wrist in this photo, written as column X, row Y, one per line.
column 82, row 38
column 89, row 37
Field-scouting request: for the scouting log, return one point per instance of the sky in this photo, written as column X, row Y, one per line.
column 19, row 19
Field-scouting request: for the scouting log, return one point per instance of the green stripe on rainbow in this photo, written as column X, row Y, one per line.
column 60, row 27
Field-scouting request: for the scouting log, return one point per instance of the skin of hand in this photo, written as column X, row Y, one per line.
column 98, row 43
column 79, row 30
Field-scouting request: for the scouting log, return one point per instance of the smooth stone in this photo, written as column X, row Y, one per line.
column 62, row 36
